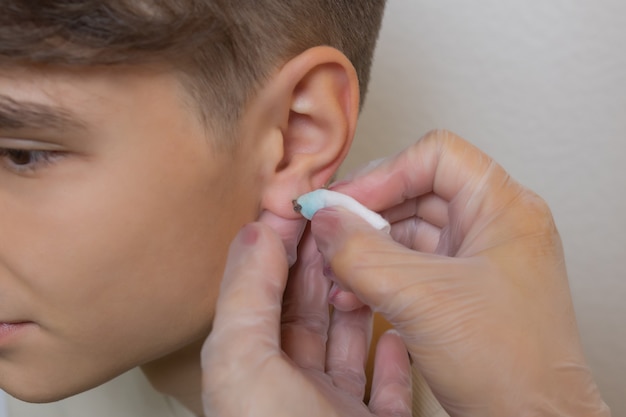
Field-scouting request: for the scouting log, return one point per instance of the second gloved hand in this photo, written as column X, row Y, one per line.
column 475, row 281
column 275, row 349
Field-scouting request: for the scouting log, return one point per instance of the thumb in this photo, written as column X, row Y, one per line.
column 289, row 230
column 250, row 295
column 381, row 272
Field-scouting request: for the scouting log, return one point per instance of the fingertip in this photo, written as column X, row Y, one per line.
column 255, row 274
column 331, row 226
column 324, row 225
column 289, row 230
column 327, row 214
column 334, row 219
column 248, row 235
column 343, row 237
column 391, row 342
column 258, row 245
column 343, row 300
column 392, row 384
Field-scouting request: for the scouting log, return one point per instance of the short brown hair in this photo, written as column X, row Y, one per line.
column 224, row 48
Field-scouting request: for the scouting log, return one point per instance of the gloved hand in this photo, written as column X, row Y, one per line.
column 472, row 277
column 277, row 352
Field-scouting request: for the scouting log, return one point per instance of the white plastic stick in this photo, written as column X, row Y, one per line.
column 308, row 204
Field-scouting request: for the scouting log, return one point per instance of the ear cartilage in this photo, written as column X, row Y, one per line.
column 308, row 204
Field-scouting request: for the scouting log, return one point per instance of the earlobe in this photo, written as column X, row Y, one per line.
column 321, row 87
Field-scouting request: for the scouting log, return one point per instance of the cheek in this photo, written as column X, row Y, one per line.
column 126, row 273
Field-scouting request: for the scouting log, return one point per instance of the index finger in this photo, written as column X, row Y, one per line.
column 250, row 296
column 440, row 162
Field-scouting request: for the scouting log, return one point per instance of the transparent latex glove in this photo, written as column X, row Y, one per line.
column 276, row 351
column 472, row 277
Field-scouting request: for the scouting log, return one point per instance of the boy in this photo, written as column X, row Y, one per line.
column 136, row 138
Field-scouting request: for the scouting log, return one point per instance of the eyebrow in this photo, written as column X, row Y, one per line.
column 30, row 115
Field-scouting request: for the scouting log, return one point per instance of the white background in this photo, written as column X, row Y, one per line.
column 541, row 87
column 3, row 411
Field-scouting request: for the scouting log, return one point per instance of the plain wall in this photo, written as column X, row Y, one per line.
column 541, row 87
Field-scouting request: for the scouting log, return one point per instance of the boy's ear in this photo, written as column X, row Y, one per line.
column 312, row 106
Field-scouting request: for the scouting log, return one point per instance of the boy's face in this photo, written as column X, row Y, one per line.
column 115, row 218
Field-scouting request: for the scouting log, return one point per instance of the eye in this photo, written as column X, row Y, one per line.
column 20, row 160
column 19, row 156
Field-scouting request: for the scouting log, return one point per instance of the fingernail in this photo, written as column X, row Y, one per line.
column 330, row 227
column 325, row 226
column 249, row 235
column 332, row 294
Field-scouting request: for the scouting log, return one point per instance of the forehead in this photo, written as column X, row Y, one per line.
column 87, row 95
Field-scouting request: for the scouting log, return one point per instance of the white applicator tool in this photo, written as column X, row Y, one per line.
column 308, row 204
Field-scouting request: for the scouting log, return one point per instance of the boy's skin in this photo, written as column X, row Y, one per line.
column 112, row 252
